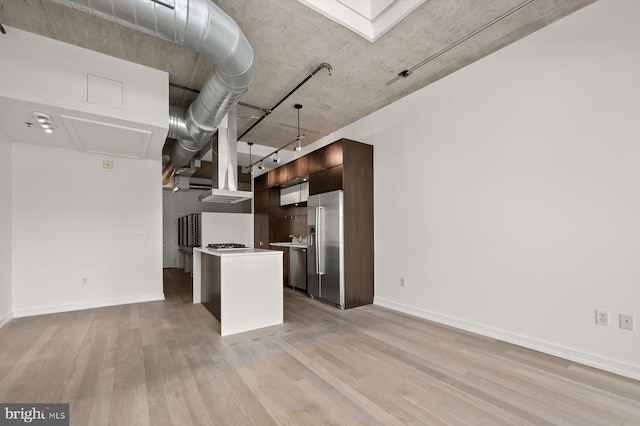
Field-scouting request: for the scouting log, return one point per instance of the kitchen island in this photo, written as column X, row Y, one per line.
column 241, row 288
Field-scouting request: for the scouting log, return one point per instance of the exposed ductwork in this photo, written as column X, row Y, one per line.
column 203, row 26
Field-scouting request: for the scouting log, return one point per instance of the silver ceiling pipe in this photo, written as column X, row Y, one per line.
column 203, row 26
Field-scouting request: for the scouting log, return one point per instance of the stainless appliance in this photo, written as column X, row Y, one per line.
column 325, row 253
column 298, row 267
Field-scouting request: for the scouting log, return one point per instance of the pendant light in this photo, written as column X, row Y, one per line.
column 298, row 146
column 250, row 166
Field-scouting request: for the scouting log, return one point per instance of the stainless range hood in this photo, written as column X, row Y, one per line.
column 225, row 165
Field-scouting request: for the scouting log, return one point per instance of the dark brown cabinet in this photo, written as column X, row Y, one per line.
column 298, row 169
column 345, row 165
column 260, row 183
column 277, row 177
column 211, row 285
column 261, row 219
column 326, row 157
column 326, row 180
column 357, row 184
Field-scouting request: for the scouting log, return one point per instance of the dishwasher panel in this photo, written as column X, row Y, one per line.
column 298, row 268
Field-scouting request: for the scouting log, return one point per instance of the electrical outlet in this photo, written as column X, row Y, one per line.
column 84, row 281
column 602, row 318
column 142, row 231
column 403, row 282
column 107, row 164
column 626, row 322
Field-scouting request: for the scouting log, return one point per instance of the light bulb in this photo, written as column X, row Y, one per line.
column 42, row 117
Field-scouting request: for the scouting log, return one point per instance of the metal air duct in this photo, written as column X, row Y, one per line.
column 203, row 26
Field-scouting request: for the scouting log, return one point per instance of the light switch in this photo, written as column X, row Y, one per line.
column 107, row 164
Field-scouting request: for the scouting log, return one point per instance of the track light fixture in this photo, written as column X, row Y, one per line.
column 296, row 141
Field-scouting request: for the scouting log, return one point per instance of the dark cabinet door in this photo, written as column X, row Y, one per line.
column 211, row 284
column 298, row 169
column 326, row 157
column 261, row 219
column 260, row 183
column 326, row 180
column 277, row 177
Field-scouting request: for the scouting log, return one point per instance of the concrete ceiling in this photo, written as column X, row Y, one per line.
column 290, row 40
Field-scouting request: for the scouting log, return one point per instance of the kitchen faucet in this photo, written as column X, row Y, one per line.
column 296, row 239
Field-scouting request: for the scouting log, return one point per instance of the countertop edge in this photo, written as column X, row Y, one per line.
column 248, row 252
column 290, row 245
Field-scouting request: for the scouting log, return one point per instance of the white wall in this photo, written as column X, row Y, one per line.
column 61, row 87
column 227, row 228
column 184, row 202
column 72, row 219
column 5, row 230
column 508, row 193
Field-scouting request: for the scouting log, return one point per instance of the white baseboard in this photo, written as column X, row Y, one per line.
column 53, row 309
column 4, row 319
column 628, row 370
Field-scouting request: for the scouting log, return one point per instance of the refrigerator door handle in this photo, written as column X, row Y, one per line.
column 317, row 241
column 320, row 238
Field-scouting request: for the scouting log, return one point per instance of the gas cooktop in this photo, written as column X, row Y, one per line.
column 227, row 246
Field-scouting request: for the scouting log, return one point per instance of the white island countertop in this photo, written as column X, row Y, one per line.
column 236, row 252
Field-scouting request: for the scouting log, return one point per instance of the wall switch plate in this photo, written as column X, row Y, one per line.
column 107, row 164
column 403, row 282
column 626, row 322
column 602, row 318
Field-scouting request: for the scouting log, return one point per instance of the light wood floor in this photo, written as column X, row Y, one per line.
column 163, row 363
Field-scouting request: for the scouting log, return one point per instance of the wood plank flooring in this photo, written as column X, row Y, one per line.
column 163, row 363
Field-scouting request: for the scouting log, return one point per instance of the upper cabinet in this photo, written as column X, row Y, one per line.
column 294, row 194
column 326, row 180
column 298, row 169
column 326, row 157
column 260, row 182
column 277, row 177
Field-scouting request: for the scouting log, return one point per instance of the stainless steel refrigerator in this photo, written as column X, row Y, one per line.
column 325, row 253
